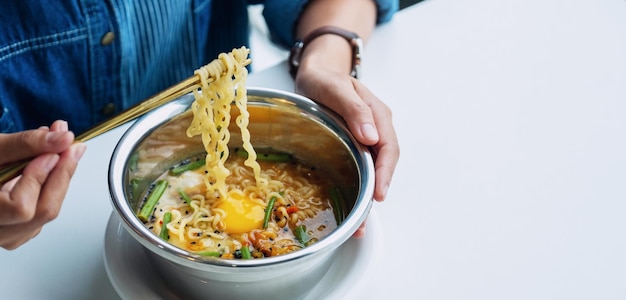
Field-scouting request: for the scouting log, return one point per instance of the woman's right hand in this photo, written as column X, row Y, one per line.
column 34, row 198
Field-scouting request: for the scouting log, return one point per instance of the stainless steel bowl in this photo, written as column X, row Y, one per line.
column 282, row 120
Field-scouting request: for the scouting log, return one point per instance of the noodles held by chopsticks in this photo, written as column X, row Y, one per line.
column 211, row 115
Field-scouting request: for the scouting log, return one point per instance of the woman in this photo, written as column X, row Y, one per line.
column 84, row 61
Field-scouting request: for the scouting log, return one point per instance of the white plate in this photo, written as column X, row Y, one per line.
column 133, row 277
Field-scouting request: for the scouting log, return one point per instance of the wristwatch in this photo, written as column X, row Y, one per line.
column 355, row 41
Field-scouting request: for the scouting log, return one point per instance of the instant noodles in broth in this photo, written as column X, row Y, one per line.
column 306, row 201
column 296, row 211
column 231, row 206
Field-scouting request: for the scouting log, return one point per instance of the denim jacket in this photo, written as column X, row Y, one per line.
column 86, row 60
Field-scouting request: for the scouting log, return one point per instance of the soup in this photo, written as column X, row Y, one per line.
column 278, row 120
column 296, row 211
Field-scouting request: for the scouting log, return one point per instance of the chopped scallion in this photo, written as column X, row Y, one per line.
column 268, row 156
column 187, row 167
column 268, row 212
column 245, row 253
column 153, row 198
column 167, row 217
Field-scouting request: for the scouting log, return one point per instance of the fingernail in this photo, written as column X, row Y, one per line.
column 54, row 136
column 63, row 125
column 78, row 150
column 369, row 132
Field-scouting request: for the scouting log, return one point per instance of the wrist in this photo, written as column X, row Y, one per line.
column 328, row 47
column 328, row 52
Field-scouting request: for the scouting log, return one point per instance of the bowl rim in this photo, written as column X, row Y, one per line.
column 154, row 119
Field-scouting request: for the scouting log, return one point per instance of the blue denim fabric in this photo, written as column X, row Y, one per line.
column 50, row 68
column 281, row 17
column 54, row 66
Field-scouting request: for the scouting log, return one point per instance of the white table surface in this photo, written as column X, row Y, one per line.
column 512, row 178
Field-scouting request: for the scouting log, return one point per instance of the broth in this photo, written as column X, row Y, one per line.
column 307, row 206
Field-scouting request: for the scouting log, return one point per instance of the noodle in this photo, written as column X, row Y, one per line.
column 225, row 213
column 211, row 116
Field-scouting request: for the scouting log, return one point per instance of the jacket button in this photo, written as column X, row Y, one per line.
column 107, row 38
column 108, row 109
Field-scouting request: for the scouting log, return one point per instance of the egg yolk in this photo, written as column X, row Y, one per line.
column 242, row 214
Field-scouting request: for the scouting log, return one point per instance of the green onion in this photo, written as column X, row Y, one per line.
column 155, row 195
column 187, row 167
column 337, row 200
column 184, row 196
column 269, row 156
column 167, row 217
column 300, row 233
column 210, row 253
column 245, row 253
column 268, row 212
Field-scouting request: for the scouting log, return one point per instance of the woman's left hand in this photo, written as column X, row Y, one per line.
column 369, row 119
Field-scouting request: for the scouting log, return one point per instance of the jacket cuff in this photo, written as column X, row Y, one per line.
column 282, row 16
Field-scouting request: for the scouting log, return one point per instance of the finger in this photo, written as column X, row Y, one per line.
column 356, row 110
column 59, row 125
column 362, row 115
column 13, row 236
column 8, row 186
column 19, row 204
column 385, row 164
column 340, row 94
column 55, row 188
column 387, row 150
column 51, row 197
column 386, row 155
column 30, row 143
